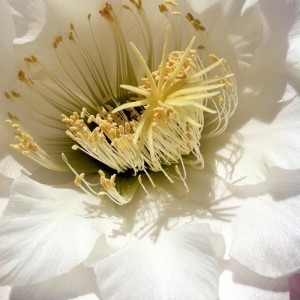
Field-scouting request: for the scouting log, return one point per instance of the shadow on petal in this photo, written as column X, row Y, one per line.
column 78, row 282
column 241, row 275
column 281, row 184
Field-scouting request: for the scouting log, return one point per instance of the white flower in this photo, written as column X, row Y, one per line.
column 239, row 219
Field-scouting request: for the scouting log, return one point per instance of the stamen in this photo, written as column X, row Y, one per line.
column 10, row 95
column 28, row 147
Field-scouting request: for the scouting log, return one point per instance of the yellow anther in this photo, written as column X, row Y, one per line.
column 75, row 147
column 71, row 37
column 78, row 179
column 21, row 76
column 15, row 94
column 107, row 12
column 57, row 41
column 26, row 153
column 163, row 8
column 190, row 17
column 7, row 95
column 214, row 57
column 137, row 3
column 10, row 116
column 169, row 2
column 31, row 59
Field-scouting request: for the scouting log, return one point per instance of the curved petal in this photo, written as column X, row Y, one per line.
column 46, row 231
column 9, row 166
column 86, row 297
column 179, row 265
column 260, row 145
column 266, row 236
column 29, row 18
column 235, row 34
column 5, row 292
column 79, row 282
column 238, row 282
column 294, row 40
column 5, row 184
column 268, row 68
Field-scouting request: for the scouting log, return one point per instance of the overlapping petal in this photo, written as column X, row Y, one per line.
column 79, row 282
column 179, row 264
column 247, row 156
column 238, row 282
column 5, row 292
column 266, row 236
column 46, row 232
column 5, row 184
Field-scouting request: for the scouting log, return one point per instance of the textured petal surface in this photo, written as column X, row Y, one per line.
column 266, row 236
column 238, row 282
column 46, row 232
column 235, row 34
column 269, row 67
column 29, row 19
column 5, row 184
column 263, row 134
column 79, row 282
column 5, row 292
column 178, row 265
column 246, row 156
column 294, row 42
column 86, row 297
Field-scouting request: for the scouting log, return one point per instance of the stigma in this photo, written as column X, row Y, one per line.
column 140, row 126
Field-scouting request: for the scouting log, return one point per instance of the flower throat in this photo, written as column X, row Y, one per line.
column 137, row 126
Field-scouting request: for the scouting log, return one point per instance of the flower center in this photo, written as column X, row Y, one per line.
column 133, row 129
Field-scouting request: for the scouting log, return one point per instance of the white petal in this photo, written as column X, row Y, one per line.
column 9, row 167
column 47, row 231
column 29, row 17
column 86, row 297
column 238, row 282
column 79, row 282
column 235, row 34
column 294, row 43
column 180, row 264
column 246, row 156
column 266, row 236
column 268, row 68
column 5, row 292
column 281, row 184
column 5, row 184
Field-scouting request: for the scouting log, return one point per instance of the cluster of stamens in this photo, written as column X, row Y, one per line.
column 132, row 129
column 29, row 148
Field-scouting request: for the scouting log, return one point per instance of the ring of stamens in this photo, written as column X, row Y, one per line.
column 133, row 129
